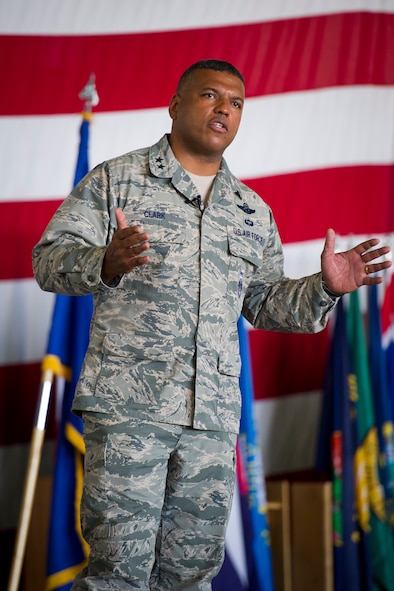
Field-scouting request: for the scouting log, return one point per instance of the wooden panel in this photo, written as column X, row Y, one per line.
column 278, row 497
column 312, row 553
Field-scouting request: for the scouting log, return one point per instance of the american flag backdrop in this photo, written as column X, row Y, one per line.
column 316, row 142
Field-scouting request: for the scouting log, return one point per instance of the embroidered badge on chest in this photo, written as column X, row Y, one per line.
column 245, row 207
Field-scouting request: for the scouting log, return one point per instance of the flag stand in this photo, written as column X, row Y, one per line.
column 31, row 480
column 90, row 96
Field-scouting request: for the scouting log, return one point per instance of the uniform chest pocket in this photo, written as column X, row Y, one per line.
column 164, row 232
column 166, row 242
column 164, row 223
column 247, row 248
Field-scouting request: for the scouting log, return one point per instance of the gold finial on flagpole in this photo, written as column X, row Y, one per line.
column 89, row 95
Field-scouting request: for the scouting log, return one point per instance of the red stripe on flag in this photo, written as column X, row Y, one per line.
column 288, row 55
column 30, row 218
column 292, row 197
column 306, row 203
column 286, row 364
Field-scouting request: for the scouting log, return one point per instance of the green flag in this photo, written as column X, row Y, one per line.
column 370, row 498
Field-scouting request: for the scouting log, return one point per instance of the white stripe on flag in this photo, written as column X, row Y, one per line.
column 26, row 326
column 299, row 131
column 84, row 17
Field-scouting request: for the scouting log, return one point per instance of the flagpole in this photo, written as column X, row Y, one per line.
column 31, row 480
column 90, row 96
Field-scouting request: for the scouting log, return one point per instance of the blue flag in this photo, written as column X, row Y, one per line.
column 68, row 340
column 256, row 528
column 250, row 487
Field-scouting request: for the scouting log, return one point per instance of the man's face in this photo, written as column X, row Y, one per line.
column 207, row 112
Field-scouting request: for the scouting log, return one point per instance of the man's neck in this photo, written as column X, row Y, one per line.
column 203, row 165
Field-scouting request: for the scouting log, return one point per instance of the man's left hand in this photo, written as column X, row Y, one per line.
column 344, row 272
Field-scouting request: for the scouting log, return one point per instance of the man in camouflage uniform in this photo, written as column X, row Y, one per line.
column 174, row 248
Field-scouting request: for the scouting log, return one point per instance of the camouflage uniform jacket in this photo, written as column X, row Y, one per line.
column 163, row 342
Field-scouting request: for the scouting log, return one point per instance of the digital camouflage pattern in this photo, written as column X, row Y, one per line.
column 126, row 474
column 164, row 341
column 159, row 388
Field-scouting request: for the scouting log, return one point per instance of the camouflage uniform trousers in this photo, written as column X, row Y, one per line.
column 155, row 505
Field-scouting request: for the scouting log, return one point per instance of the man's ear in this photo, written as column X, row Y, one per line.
column 173, row 108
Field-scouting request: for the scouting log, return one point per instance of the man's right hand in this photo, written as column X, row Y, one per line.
column 124, row 251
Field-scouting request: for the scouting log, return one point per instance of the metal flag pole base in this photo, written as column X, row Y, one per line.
column 31, row 480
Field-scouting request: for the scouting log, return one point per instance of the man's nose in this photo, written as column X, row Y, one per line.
column 223, row 106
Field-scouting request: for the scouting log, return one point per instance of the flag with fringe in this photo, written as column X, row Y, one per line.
column 68, row 340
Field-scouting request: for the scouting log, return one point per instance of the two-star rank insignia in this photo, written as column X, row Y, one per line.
column 159, row 160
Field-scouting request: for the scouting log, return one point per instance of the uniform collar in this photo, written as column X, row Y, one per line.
column 163, row 164
column 162, row 161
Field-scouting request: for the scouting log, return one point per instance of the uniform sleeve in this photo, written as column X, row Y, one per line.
column 275, row 302
column 69, row 256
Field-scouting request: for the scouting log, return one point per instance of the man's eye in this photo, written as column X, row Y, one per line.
column 237, row 104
